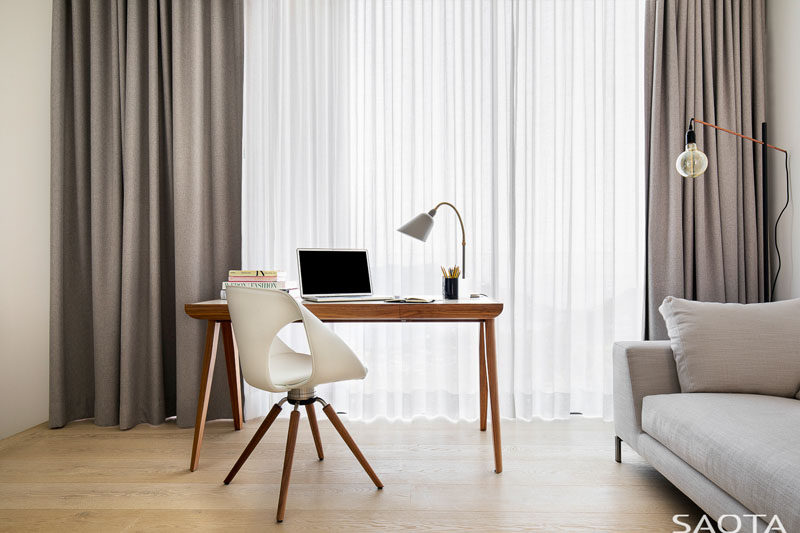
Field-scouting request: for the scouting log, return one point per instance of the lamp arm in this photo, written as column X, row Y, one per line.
column 692, row 120
column 769, row 288
column 463, row 236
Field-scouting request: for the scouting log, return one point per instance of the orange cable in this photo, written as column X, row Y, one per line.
column 739, row 135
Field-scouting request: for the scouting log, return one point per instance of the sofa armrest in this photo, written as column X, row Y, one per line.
column 641, row 368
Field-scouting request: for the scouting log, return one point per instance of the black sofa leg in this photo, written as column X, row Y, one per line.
column 617, row 449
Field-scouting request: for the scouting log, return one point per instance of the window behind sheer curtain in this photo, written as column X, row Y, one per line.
column 526, row 115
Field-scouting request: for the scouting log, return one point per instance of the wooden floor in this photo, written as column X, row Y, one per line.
column 559, row 476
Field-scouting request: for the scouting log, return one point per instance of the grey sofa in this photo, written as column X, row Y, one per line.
column 730, row 453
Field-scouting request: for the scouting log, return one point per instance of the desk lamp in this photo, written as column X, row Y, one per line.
column 420, row 227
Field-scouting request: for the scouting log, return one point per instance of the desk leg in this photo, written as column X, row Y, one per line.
column 491, row 370
column 484, row 392
column 234, row 376
column 209, row 357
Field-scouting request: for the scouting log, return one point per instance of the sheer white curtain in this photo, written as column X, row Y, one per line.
column 526, row 115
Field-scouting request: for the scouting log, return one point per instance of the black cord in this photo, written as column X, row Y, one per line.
column 777, row 220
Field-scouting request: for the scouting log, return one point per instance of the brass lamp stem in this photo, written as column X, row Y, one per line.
column 463, row 236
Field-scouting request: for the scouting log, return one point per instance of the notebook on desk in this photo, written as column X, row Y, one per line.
column 412, row 300
column 335, row 275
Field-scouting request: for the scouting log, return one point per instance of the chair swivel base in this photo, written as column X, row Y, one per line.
column 298, row 398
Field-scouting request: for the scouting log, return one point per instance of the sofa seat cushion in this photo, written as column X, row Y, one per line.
column 746, row 444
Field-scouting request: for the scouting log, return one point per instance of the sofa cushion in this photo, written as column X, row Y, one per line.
column 752, row 348
column 746, row 444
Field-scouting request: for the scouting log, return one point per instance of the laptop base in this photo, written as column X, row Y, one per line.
column 323, row 299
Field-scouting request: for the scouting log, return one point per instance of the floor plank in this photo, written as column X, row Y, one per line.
column 558, row 476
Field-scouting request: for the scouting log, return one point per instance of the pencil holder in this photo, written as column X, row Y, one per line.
column 450, row 288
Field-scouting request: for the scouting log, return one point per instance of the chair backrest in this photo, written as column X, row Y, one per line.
column 259, row 314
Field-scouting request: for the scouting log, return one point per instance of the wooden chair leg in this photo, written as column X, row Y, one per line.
column 262, row 429
column 209, row 357
column 617, row 449
column 312, row 421
column 334, row 418
column 484, row 387
column 291, row 439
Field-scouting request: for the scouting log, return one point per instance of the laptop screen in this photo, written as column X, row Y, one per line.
column 333, row 272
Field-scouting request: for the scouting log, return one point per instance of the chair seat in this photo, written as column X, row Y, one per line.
column 289, row 368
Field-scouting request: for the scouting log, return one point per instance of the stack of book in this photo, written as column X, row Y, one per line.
column 260, row 279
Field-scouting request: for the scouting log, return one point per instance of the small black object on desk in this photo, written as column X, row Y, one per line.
column 450, row 288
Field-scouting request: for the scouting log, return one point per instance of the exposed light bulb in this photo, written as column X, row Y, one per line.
column 692, row 162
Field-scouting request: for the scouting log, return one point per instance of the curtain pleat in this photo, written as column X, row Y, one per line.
column 146, row 176
column 526, row 115
column 705, row 59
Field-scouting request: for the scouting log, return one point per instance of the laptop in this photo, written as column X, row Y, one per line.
column 335, row 275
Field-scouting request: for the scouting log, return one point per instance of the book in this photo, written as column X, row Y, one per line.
column 411, row 300
column 279, row 273
column 256, row 278
column 223, row 294
column 260, row 284
column 255, row 284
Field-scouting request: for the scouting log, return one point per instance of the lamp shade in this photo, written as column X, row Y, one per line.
column 418, row 227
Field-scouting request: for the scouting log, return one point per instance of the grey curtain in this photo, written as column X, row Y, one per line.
column 704, row 59
column 146, row 200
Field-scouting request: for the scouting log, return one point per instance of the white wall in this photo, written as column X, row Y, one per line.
column 783, row 119
column 24, row 212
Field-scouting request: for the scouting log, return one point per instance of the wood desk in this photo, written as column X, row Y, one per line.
column 480, row 310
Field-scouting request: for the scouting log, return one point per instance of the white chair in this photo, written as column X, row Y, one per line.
column 269, row 364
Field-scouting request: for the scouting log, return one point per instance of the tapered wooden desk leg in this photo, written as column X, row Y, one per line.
column 491, row 370
column 291, row 439
column 209, row 357
column 312, row 421
column 337, row 423
column 262, row 429
column 234, row 376
column 484, row 392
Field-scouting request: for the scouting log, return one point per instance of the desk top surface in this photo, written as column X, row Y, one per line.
column 463, row 310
